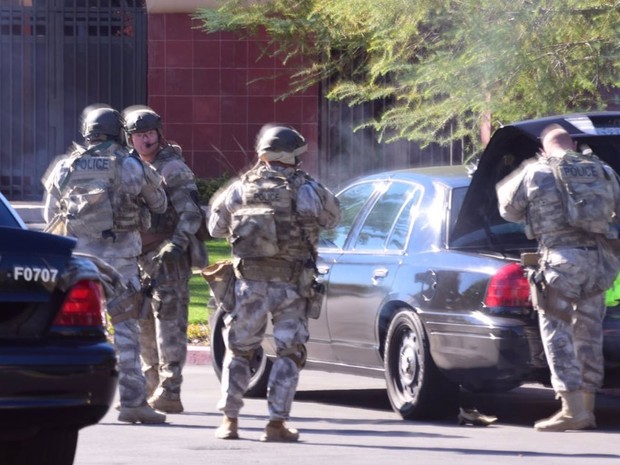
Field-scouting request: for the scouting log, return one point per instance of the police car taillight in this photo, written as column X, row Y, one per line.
column 508, row 288
column 83, row 306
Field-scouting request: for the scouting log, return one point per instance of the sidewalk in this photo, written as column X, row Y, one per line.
column 32, row 214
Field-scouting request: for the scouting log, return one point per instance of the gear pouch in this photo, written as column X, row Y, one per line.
column 254, row 233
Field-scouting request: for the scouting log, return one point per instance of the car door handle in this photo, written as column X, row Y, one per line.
column 379, row 273
column 321, row 269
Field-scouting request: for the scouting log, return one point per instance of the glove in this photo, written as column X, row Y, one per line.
column 169, row 253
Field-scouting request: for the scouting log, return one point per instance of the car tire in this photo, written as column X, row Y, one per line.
column 47, row 447
column 260, row 366
column 416, row 389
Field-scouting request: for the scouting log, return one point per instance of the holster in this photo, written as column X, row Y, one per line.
column 537, row 288
column 147, row 297
column 544, row 297
column 311, row 289
column 126, row 305
column 535, row 278
column 221, row 279
column 315, row 302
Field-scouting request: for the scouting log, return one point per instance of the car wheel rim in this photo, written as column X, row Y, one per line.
column 408, row 366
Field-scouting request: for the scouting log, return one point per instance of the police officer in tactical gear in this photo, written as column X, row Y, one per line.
column 271, row 216
column 572, row 272
column 169, row 250
column 96, row 194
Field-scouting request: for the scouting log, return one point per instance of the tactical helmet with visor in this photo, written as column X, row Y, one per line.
column 141, row 119
column 101, row 120
column 280, row 144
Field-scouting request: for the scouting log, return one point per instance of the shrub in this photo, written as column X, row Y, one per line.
column 208, row 187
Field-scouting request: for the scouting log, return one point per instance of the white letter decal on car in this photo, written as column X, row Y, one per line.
column 28, row 273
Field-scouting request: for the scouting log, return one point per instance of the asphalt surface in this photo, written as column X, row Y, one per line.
column 346, row 419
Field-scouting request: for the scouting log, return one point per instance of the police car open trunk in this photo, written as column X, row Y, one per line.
column 510, row 146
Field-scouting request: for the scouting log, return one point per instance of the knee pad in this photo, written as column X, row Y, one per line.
column 247, row 354
column 298, row 354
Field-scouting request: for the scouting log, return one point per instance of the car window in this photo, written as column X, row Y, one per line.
column 398, row 239
column 351, row 202
column 6, row 215
column 377, row 226
column 500, row 235
column 456, row 202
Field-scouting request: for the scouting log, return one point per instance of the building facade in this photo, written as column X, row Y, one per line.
column 214, row 91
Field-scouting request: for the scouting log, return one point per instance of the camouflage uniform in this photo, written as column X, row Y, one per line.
column 259, row 292
column 164, row 329
column 571, row 321
column 138, row 184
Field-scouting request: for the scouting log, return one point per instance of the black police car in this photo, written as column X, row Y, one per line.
column 424, row 285
column 58, row 372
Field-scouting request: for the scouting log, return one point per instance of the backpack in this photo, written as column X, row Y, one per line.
column 92, row 203
column 86, row 203
column 586, row 191
column 264, row 225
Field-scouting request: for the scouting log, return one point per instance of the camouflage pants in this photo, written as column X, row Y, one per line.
column 245, row 329
column 572, row 323
column 131, row 383
column 163, row 335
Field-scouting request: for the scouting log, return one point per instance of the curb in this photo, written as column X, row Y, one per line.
column 198, row 355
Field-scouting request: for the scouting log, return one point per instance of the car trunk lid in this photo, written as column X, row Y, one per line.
column 31, row 263
column 514, row 143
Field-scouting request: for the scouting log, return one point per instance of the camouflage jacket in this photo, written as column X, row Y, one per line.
column 531, row 196
column 183, row 217
column 315, row 206
column 136, row 183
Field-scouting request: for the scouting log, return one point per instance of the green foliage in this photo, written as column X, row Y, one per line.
column 440, row 65
column 208, row 187
column 199, row 297
column 198, row 287
column 198, row 314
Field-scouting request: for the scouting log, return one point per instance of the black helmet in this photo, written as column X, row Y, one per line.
column 101, row 120
column 280, row 143
column 141, row 119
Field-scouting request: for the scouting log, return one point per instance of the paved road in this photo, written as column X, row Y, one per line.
column 348, row 420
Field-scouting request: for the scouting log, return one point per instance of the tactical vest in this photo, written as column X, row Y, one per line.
column 586, row 191
column 165, row 223
column 92, row 202
column 267, row 223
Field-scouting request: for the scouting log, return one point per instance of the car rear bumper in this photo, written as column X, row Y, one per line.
column 505, row 354
column 494, row 357
column 55, row 386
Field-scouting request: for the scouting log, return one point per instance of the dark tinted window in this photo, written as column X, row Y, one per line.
column 491, row 235
column 456, row 202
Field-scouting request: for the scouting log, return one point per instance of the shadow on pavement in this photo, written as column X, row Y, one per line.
column 520, row 407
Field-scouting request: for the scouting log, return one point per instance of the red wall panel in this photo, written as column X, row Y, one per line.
column 215, row 91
